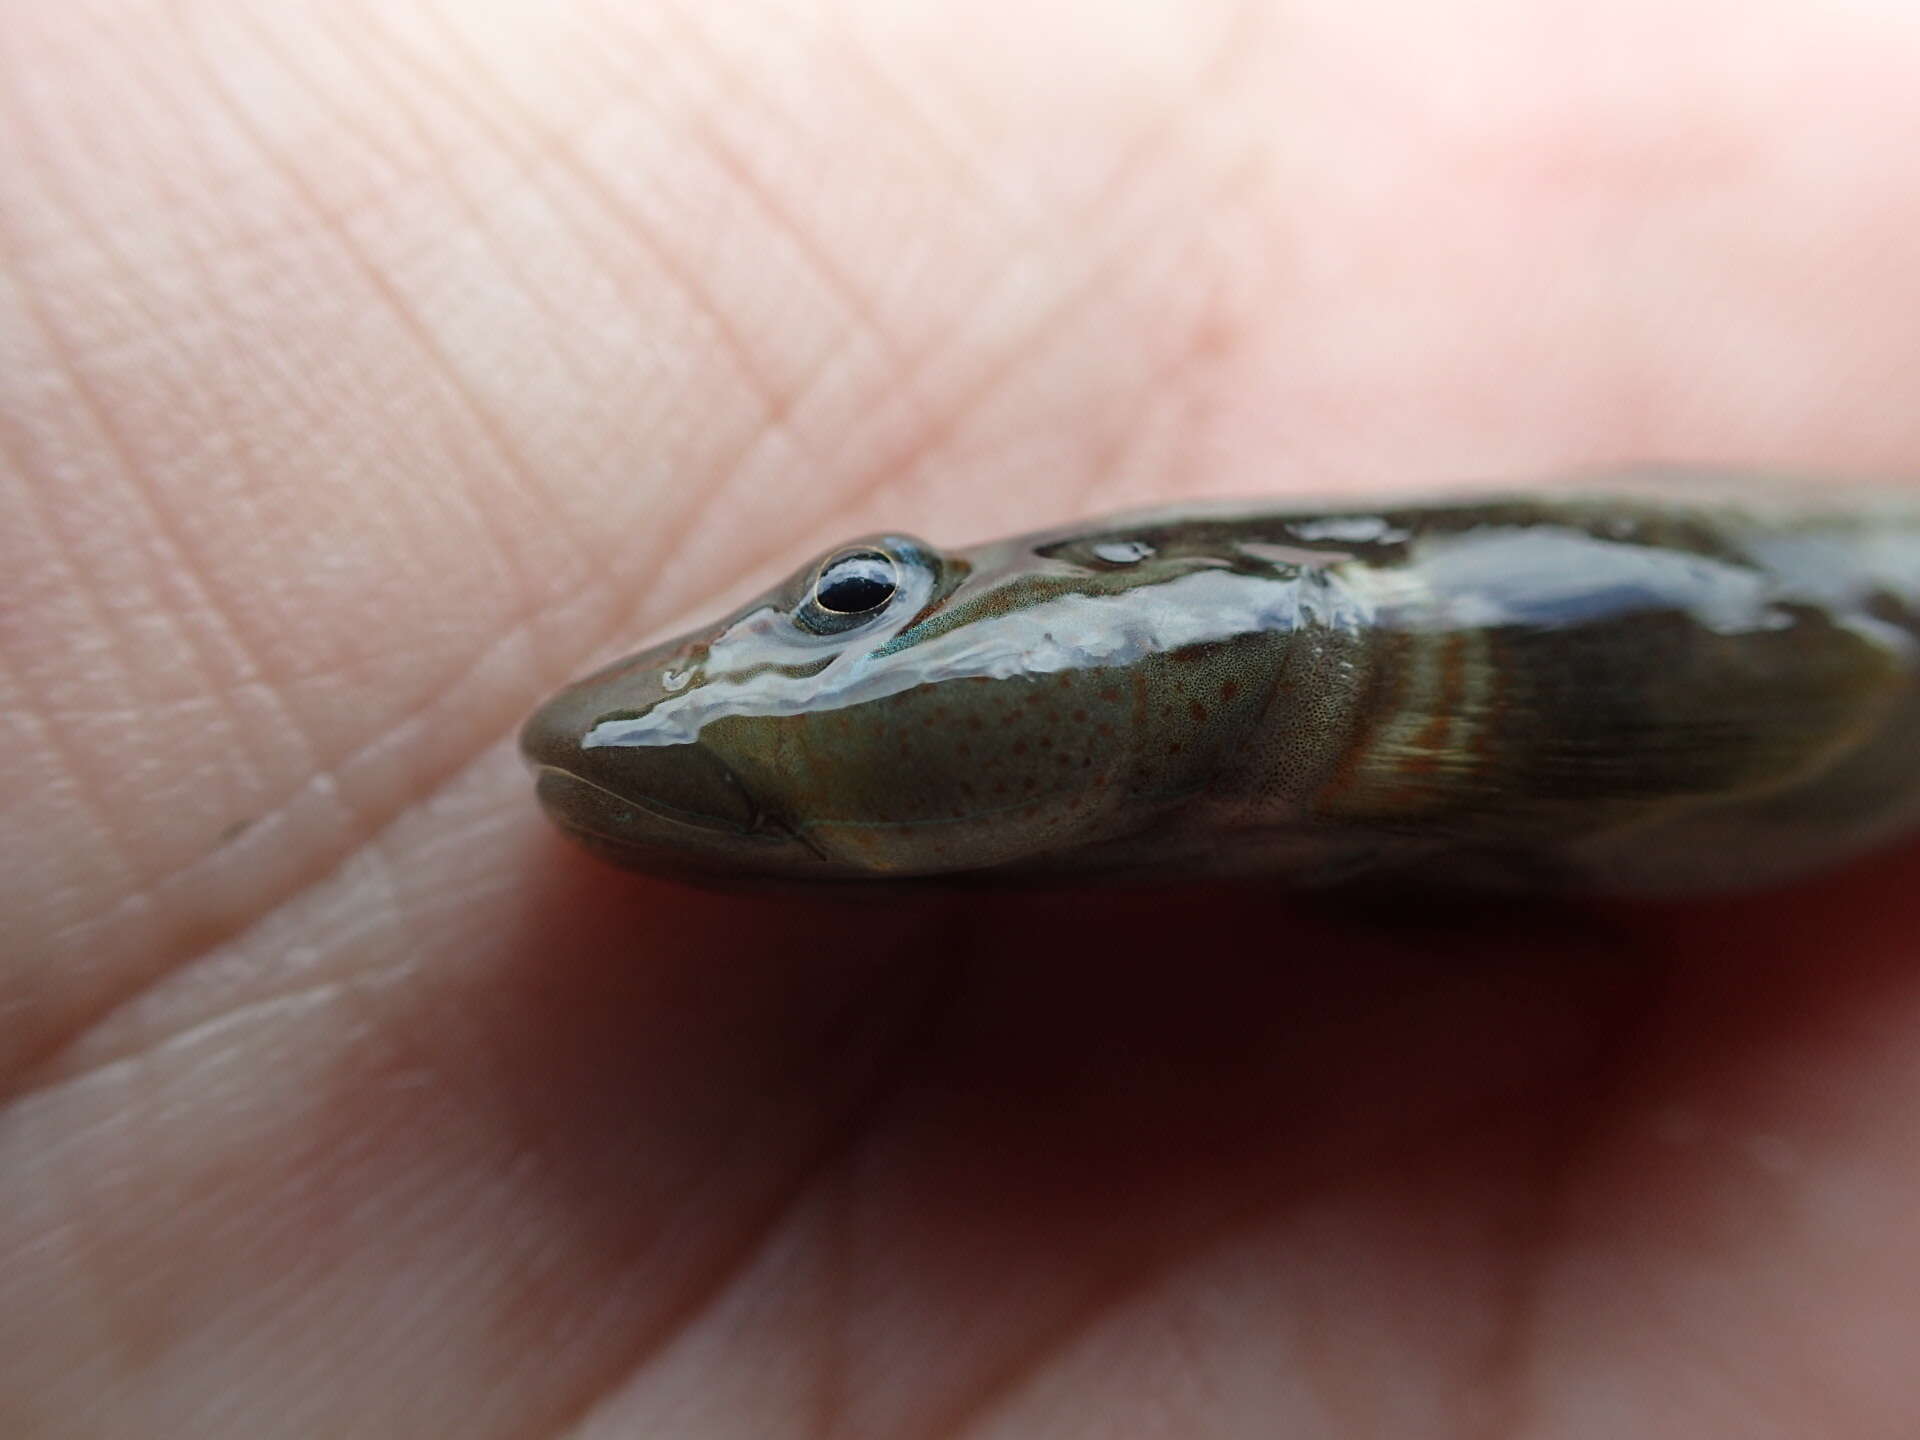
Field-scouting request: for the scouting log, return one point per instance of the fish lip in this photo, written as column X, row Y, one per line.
column 667, row 841
column 661, row 810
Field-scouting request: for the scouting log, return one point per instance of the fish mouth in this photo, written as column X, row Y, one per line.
column 674, row 809
column 572, row 787
column 651, row 834
column 684, row 785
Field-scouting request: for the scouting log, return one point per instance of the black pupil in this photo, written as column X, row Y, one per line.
column 856, row 583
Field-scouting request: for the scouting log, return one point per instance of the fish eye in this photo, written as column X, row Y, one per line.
column 849, row 589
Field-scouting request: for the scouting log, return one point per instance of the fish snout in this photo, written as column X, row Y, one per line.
column 678, row 785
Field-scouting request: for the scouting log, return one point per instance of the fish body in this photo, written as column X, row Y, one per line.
column 1654, row 683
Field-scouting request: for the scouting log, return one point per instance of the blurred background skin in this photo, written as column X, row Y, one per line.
column 368, row 369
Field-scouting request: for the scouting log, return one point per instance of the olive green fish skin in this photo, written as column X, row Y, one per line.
column 1648, row 688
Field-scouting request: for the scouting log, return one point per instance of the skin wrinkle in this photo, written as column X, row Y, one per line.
column 40, row 1068
column 517, row 466
column 1506, row 1373
column 62, row 1188
column 458, row 99
column 379, row 1057
column 395, row 1036
column 186, row 19
column 1132, row 1278
column 928, row 993
column 335, row 767
column 435, row 164
column 130, row 476
column 906, row 364
column 331, row 768
column 186, row 571
column 477, row 215
column 250, row 672
column 905, row 375
column 143, row 884
column 1216, row 81
column 1598, row 954
column 1510, row 1379
column 637, row 599
column 833, row 1366
column 48, row 734
column 23, row 1102
column 1158, row 134
column 776, row 402
column 1155, row 137
column 288, row 722
column 1135, row 1277
column 1179, row 385
column 618, row 610
column 367, row 826
column 1109, row 462
column 785, row 223
column 98, row 415
column 366, row 831
column 906, row 100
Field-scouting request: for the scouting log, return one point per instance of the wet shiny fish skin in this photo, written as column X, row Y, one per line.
column 1655, row 683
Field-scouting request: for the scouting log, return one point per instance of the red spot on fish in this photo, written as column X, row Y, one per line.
column 1111, row 695
column 1019, row 747
column 1229, row 690
column 1199, row 712
column 1080, row 717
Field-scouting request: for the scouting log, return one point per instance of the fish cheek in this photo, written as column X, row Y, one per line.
column 959, row 775
column 831, row 778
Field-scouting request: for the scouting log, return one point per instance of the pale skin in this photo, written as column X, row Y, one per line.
column 368, row 370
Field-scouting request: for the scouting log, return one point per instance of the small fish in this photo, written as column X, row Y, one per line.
column 1657, row 682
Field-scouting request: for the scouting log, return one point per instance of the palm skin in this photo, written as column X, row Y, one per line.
column 368, row 370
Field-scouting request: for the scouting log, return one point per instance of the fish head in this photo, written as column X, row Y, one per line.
column 888, row 710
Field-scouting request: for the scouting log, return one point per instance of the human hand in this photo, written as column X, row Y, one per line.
column 369, row 370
